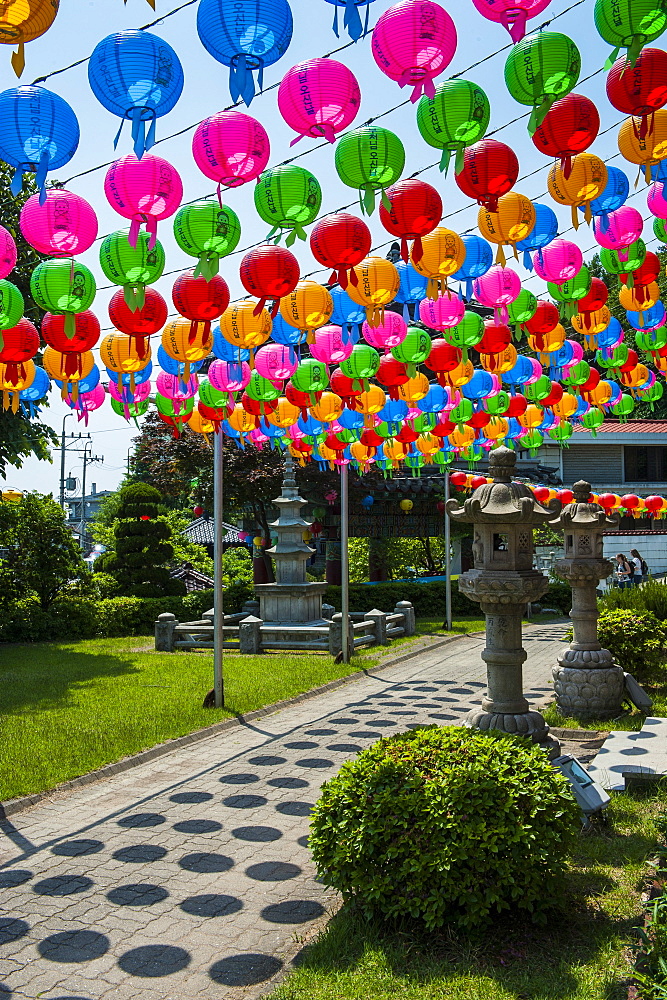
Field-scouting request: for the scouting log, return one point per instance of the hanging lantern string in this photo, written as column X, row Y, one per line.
column 274, row 86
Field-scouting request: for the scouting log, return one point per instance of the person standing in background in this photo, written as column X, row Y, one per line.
column 622, row 571
column 641, row 569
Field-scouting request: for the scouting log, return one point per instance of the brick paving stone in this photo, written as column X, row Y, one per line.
column 189, row 876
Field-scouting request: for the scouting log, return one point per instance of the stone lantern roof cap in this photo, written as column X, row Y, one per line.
column 503, row 501
column 583, row 512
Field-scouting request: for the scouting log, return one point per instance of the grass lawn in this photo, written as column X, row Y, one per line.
column 579, row 954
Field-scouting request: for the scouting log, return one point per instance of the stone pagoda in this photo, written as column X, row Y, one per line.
column 503, row 581
column 291, row 600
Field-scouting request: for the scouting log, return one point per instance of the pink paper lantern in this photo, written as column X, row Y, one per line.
column 173, row 387
column 226, row 376
column 86, row 402
column 294, row 433
column 319, row 98
column 413, row 42
column 258, row 438
column 657, row 203
column 231, row 148
column 143, row 191
column 8, row 253
column 63, row 225
column 329, row 346
column 537, row 371
column 497, row 289
column 560, row 261
column 392, row 331
column 276, row 362
column 512, row 14
column 125, row 395
column 619, row 229
column 442, row 313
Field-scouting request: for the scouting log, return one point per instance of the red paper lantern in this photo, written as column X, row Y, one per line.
column 596, row 297
column 444, row 428
column 391, row 374
column 630, row 501
column 495, row 338
column 198, row 511
column 334, row 443
column 479, row 420
column 592, row 382
column 406, row 435
column 541, row 493
column 215, row 414
column 653, row 504
column 640, row 89
column 199, row 300
column 370, row 438
column 570, row 126
column 565, row 496
column 555, row 396
column 646, row 274
column 490, row 169
column 416, row 210
column 269, row 272
column 631, row 362
column 458, row 479
column 86, row 335
column 345, row 388
column 478, row 481
column 341, row 241
column 443, row 358
column 316, row 528
column 301, row 399
column 544, row 320
column 19, row 344
column 607, row 500
column 141, row 323
column 517, row 406
column 258, row 407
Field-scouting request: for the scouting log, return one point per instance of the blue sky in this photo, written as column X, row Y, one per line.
column 81, row 24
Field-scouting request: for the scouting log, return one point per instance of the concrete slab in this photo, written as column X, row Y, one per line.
column 644, row 752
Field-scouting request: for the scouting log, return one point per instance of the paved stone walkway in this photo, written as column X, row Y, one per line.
column 189, row 876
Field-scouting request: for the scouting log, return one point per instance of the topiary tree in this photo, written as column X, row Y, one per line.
column 142, row 546
column 445, row 825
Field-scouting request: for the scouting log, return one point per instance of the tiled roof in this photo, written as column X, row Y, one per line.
column 201, row 532
column 628, row 427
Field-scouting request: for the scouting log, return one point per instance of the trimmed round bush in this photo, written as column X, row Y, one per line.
column 636, row 639
column 445, row 825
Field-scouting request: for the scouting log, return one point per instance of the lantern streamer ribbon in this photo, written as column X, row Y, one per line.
column 515, row 23
column 420, row 88
column 241, row 81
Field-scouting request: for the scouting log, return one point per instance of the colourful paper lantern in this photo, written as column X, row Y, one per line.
column 377, row 286
column 585, row 182
column 8, row 252
column 539, row 70
column 137, row 77
column 490, row 169
column 319, row 98
column 541, row 235
column 61, row 286
column 231, row 148
column 288, row 198
column 340, row 241
column 143, row 190
column 369, row 159
column 208, row 231
column 629, row 24
column 133, row 267
column 351, row 17
column 199, row 300
column 247, row 36
column 85, row 337
column 510, row 224
column 62, row 225
column 647, row 152
column 443, row 253
column 24, row 21
column 413, row 42
column 569, row 127
column 38, row 132
column 512, row 14
column 414, row 210
column 269, row 272
column 643, row 90
column 456, row 116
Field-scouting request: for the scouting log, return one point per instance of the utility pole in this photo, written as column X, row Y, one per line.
column 62, row 461
column 87, row 459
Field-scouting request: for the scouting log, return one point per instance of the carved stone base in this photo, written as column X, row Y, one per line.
column 588, row 693
column 529, row 724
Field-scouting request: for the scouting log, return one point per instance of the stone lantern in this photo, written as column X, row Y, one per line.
column 587, row 680
column 503, row 581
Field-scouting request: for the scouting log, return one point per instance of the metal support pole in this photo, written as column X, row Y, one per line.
column 218, row 613
column 62, row 462
column 82, row 523
column 344, row 563
column 448, row 561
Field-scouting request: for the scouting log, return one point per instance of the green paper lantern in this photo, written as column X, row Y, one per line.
column 539, row 70
column 261, row 390
column 424, row 423
column 613, row 358
column 63, row 287
column 653, row 394
column 629, row 24
column 456, row 117
column 569, row 292
column 577, row 374
column 208, row 231
column 653, row 340
column 311, row 376
column 288, row 198
column 660, row 230
column 361, row 365
column 539, row 390
column 370, row 159
column 562, row 433
column 497, row 405
column 532, row 441
column 592, row 420
column 176, row 409
column 624, row 408
column 413, row 350
column 132, row 267
column 465, row 334
column 210, row 396
column 624, row 261
column 131, row 411
column 522, row 309
column 462, row 412
column 11, row 305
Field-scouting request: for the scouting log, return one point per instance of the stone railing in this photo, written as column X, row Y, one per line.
column 246, row 633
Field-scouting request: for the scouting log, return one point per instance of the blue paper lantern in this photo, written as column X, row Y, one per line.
column 520, row 373
column 35, row 392
column 435, row 400
column 367, row 502
column 347, row 314
column 351, row 420
column 480, row 385
column 611, row 336
column 283, row 333
column 655, row 316
column 173, row 367
column 90, row 381
column 352, row 17
column 38, row 132
column 136, row 76
column 614, row 194
column 246, row 35
column 126, row 379
column 222, row 349
column 412, row 288
column 478, row 260
column 543, row 232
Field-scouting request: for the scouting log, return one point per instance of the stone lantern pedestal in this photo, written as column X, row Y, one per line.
column 587, row 680
column 503, row 581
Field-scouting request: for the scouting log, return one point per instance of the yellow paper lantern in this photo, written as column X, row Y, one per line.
column 414, row 389
column 22, row 21
column 636, row 377
column 328, row 408
column 462, row 437
column 566, row 406
column 377, row 286
column 532, row 418
column 648, row 151
column 12, row 496
column 600, row 395
column 308, row 307
column 499, row 363
column 406, row 506
column 54, row 364
column 591, row 323
column 187, row 342
column 285, row 414
column 362, row 453
column 496, row 429
column 458, row 376
column 372, row 400
column 120, row 354
column 511, row 223
column 199, row 424
column 429, row 445
column 443, row 254
column 243, row 421
column 394, row 450
column 544, row 343
column 628, row 298
column 20, row 380
column 241, row 327
column 585, row 182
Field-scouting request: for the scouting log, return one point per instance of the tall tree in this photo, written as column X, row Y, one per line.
column 21, row 437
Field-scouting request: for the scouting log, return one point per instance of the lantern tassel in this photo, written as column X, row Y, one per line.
column 18, row 59
column 241, row 82
column 515, row 25
column 40, row 175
